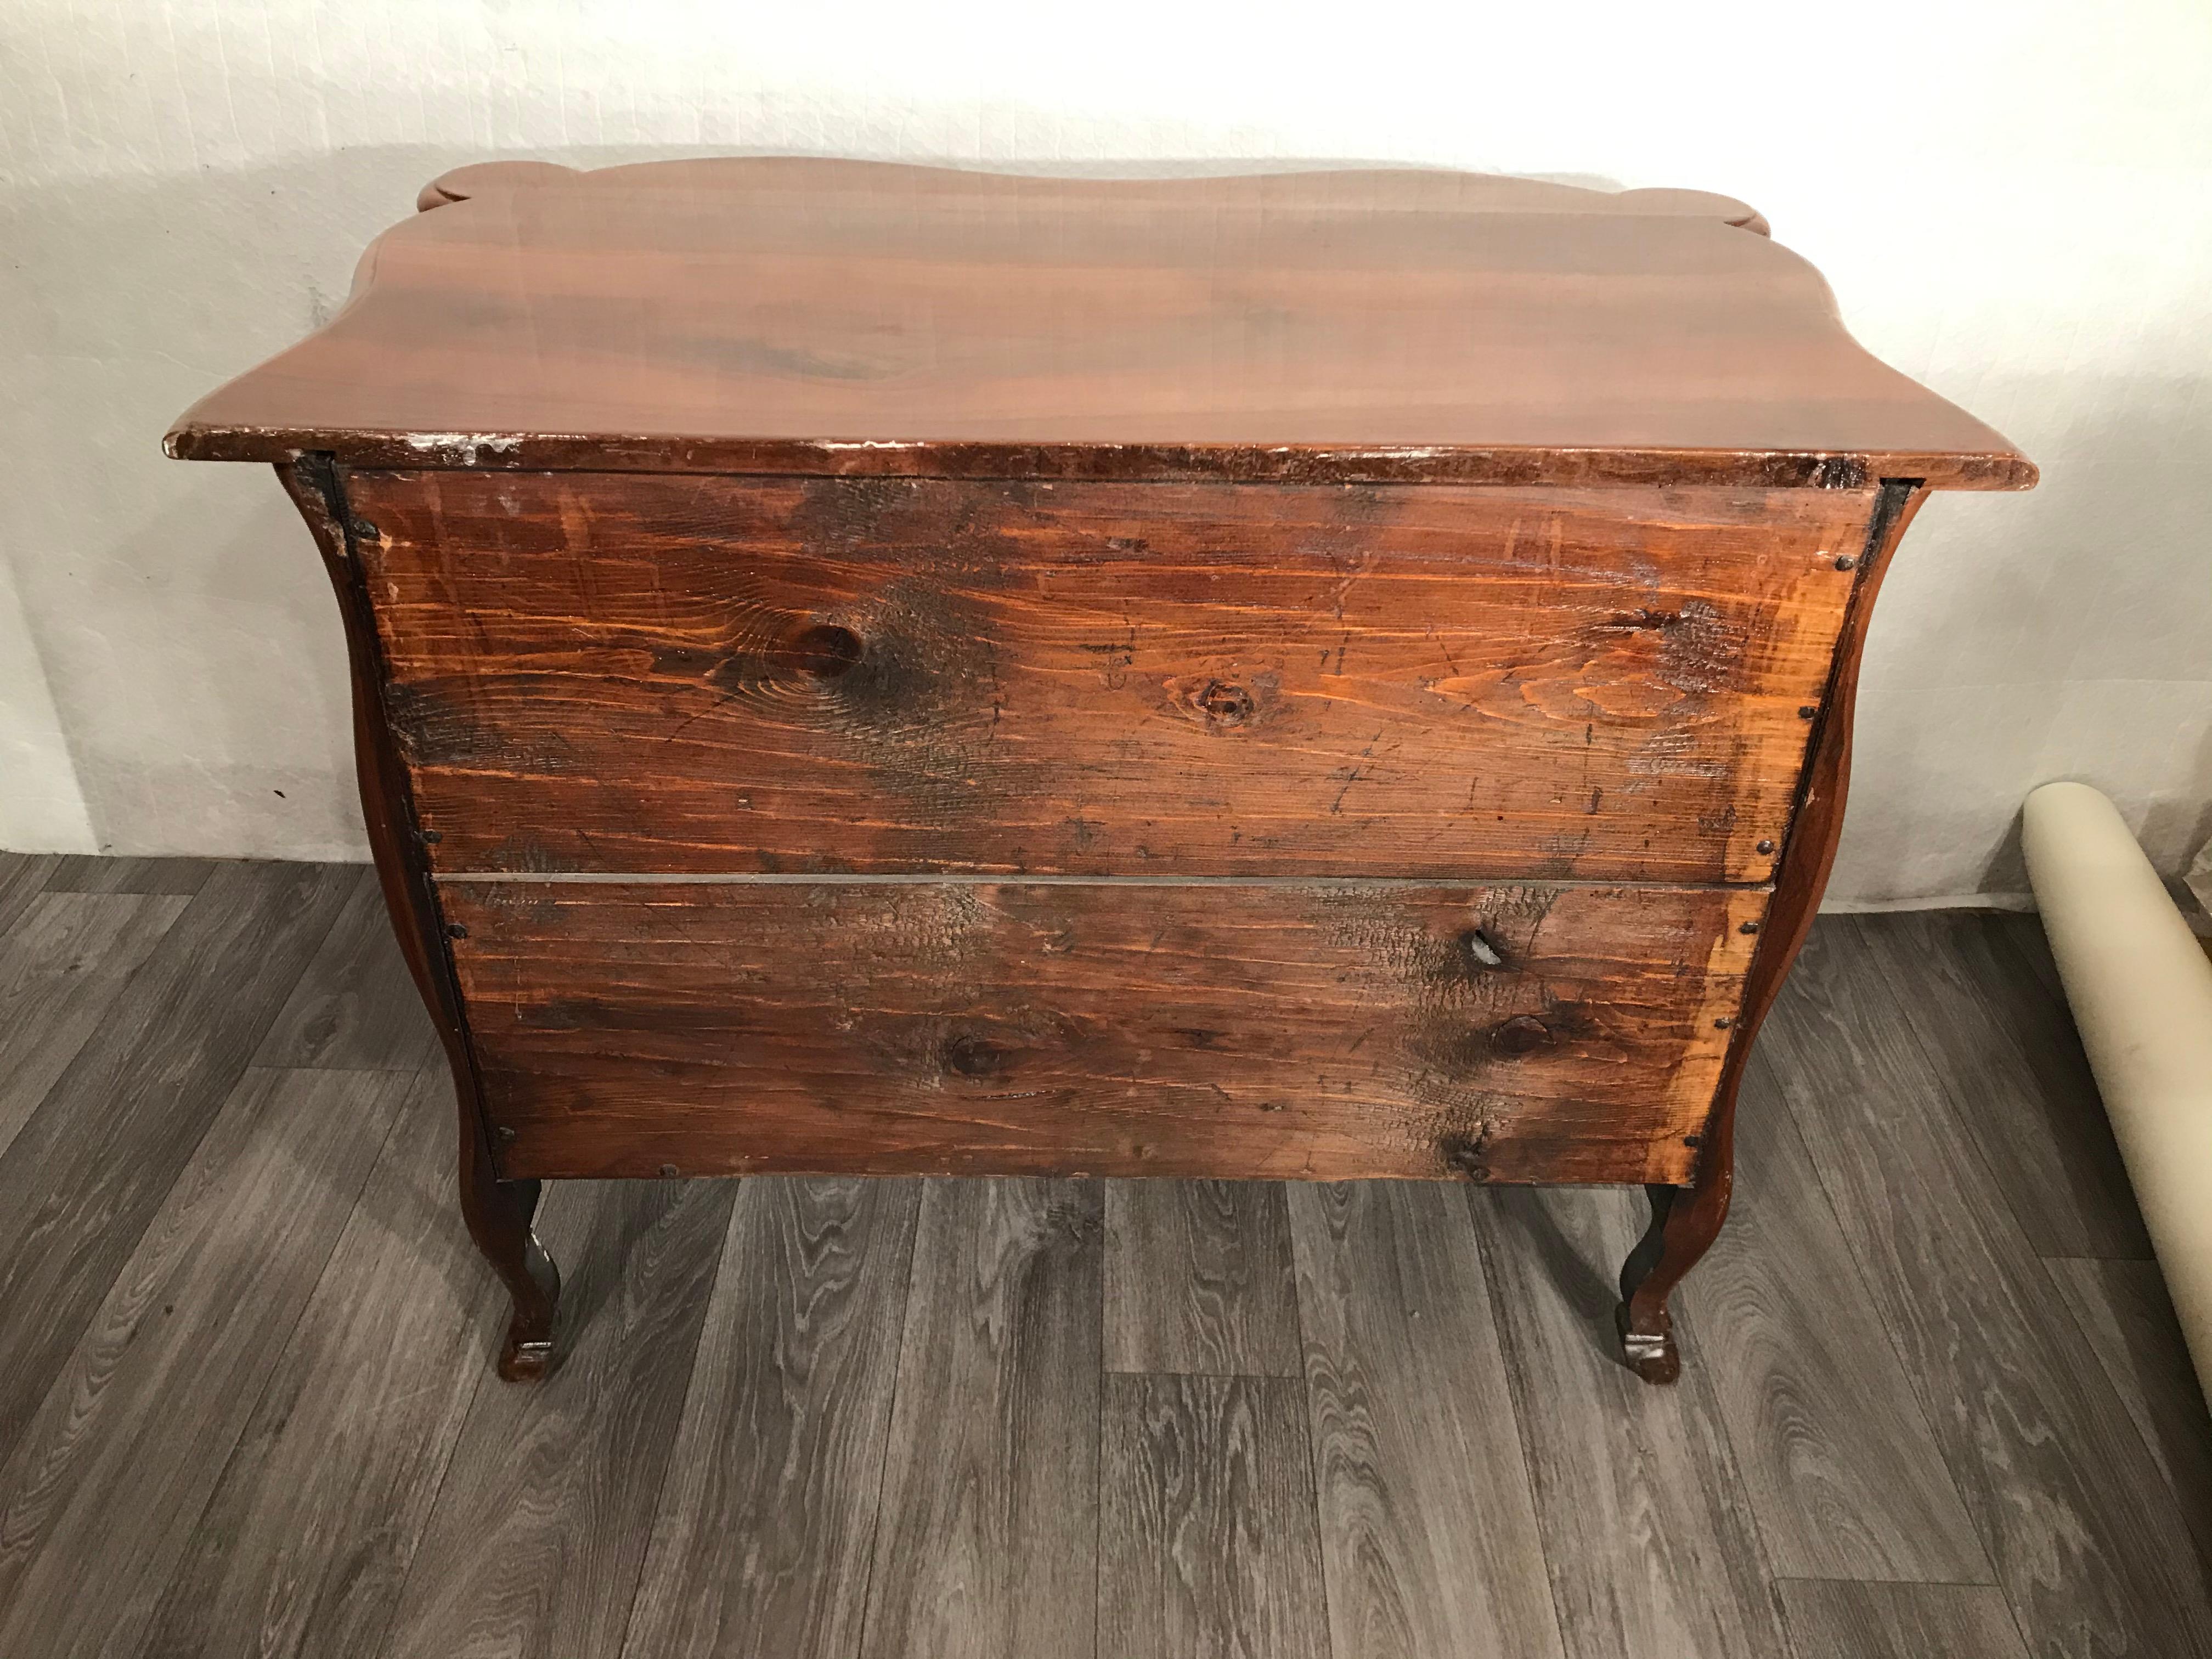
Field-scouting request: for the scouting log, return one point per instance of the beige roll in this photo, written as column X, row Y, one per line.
column 2142, row 992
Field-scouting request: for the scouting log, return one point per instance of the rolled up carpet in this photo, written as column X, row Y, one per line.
column 2140, row 988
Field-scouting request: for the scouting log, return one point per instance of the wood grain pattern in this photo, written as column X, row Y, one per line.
column 1833, row 1620
column 767, row 1518
column 303, row 1547
column 2127, row 1320
column 356, row 1008
column 647, row 674
column 1428, row 1536
column 2010, row 1060
column 68, row 957
column 1199, row 1279
column 2072, row 1509
column 1207, row 1547
column 1836, row 1458
column 534, row 1548
column 986, row 1542
column 152, row 1078
column 120, row 1457
column 1646, row 1528
column 791, row 316
column 22, row 878
column 1179, row 1029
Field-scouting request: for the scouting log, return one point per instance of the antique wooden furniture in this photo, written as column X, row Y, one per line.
column 883, row 670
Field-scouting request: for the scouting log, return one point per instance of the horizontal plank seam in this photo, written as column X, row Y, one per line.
column 1901, row 1583
column 931, row 878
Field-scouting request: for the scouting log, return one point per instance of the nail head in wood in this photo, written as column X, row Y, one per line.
column 1847, row 562
column 1766, row 846
column 1748, row 927
column 455, row 930
column 1807, row 712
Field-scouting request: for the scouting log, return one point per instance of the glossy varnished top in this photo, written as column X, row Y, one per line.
column 791, row 315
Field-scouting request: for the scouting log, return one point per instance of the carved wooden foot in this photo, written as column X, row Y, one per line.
column 527, row 1354
column 499, row 1214
column 1685, row 1221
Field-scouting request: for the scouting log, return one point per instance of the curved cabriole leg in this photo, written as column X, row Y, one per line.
column 1685, row 1220
column 498, row 1213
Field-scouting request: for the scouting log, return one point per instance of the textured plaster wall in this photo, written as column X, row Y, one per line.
column 2012, row 205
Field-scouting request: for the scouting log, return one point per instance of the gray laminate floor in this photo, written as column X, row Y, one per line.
column 1935, row 1403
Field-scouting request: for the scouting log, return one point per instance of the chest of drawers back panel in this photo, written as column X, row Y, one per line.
column 1278, row 1028
column 888, row 671
column 635, row 673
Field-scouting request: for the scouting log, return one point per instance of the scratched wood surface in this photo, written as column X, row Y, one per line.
column 621, row 673
column 805, row 1425
column 1228, row 1030
column 787, row 315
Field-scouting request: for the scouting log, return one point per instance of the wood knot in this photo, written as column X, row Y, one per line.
column 1521, row 1035
column 1223, row 704
column 1478, row 951
column 1463, row 1153
column 1220, row 703
column 822, row 650
column 969, row 1056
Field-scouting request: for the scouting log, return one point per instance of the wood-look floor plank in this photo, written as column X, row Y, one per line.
column 24, row 877
column 1842, row 1473
column 88, row 872
column 2006, row 1054
column 1207, row 1542
column 1198, row 1278
column 2019, row 932
column 63, row 965
column 116, row 1465
column 1429, row 1537
column 1832, row 1619
column 356, row 1007
column 1647, row 1529
column 2071, row 1509
column 986, row 1543
column 82, row 1179
column 767, row 1518
column 303, row 1547
column 2126, row 1320
column 540, row 1526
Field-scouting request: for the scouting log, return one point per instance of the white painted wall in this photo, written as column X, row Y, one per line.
column 2013, row 202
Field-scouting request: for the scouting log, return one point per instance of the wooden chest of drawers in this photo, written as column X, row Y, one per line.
column 874, row 670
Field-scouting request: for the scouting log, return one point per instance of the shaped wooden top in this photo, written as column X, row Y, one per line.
column 802, row 316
